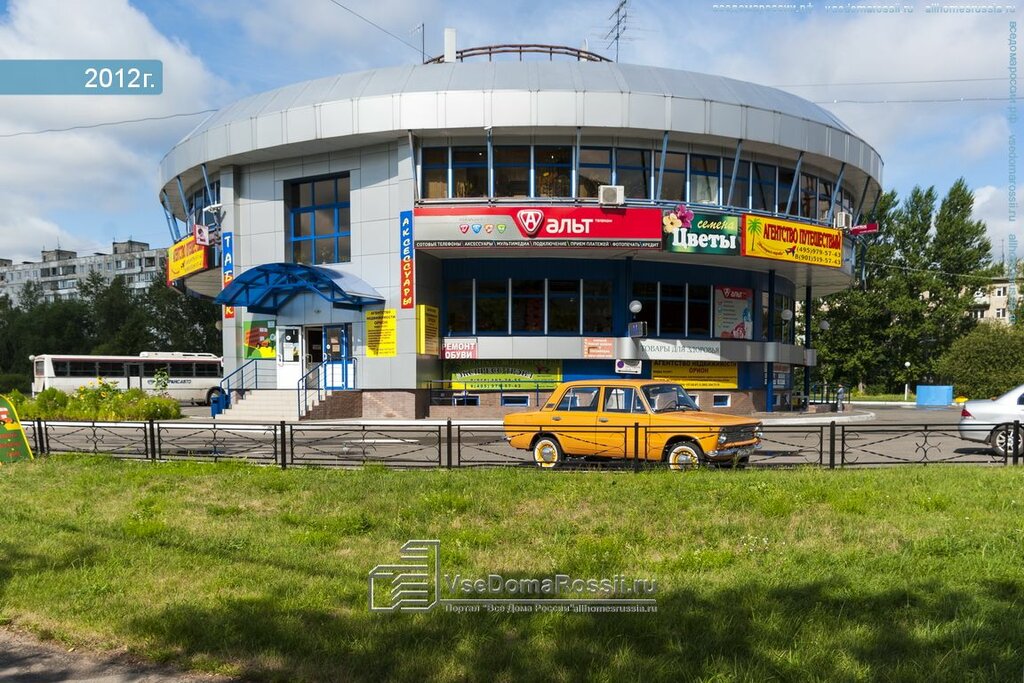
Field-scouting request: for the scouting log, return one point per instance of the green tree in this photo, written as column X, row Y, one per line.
column 988, row 361
column 918, row 277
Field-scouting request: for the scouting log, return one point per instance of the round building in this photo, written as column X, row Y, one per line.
column 454, row 238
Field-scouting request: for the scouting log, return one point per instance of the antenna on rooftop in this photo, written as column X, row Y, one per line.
column 618, row 28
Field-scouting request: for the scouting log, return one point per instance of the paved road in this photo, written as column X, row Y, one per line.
column 865, row 435
column 24, row 659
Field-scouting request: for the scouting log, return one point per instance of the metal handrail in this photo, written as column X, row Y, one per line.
column 238, row 377
column 550, row 50
column 302, row 388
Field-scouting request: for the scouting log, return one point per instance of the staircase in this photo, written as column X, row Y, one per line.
column 262, row 405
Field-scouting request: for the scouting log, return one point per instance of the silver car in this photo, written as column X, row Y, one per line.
column 991, row 421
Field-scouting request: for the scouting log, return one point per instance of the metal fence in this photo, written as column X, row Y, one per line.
column 446, row 444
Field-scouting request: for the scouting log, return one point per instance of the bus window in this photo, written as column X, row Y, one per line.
column 150, row 369
column 40, row 368
column 181, row 370
column 207, row 369
column 108, row 369
column 82, row 368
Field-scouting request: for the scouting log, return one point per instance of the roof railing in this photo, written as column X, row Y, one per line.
column 490, row 51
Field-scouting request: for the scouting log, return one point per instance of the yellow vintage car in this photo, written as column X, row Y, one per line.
column 646, row 419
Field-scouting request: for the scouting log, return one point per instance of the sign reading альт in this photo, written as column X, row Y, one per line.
column 781, row 240
column 13, row 443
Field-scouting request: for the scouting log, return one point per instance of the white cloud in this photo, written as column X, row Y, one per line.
column 83, row 173
column 989, row 136
column 991, row 205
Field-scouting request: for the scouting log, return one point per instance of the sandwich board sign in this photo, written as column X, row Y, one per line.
column 13, row 443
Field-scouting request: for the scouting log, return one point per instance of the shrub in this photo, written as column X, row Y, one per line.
column 99, row 400
column 987, row 362
column 15, row 382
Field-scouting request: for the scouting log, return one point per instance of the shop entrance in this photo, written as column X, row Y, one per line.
column 331, row 345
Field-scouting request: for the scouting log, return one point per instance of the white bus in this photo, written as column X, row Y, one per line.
column 191, row 377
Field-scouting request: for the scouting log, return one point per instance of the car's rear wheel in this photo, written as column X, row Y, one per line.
column 684, row 455
column 547, row 452
column 1002, row 437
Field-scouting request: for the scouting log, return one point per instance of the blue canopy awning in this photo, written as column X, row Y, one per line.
column 266, row 288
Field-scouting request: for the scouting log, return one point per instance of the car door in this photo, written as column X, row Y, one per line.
column 622, row 409
column 574, row 417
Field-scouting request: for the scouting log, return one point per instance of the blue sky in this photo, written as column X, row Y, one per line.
column 85, row 188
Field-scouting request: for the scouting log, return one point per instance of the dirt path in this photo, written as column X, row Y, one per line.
column 24, row 659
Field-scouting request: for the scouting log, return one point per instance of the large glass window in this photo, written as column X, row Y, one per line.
column 784, row 329
column 492, row 306
column 597, row 306
column 647, row 294
column 673, row 309
column 673, row 182
column 595, row 170
column 460, row 307
column 435, row 172
column 320, row 227
column 528, row 306
column 512, row 171
column 469, row 171
column 633, row 172
column 741, row 188
column 705, row 179
column 563, row 306
column 808, row 196
column 763, row 188
column 786, row 179
column 553, row 171
column 824, row 199
column 698, row 311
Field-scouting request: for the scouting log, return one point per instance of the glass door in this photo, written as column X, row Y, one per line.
column 340, row 368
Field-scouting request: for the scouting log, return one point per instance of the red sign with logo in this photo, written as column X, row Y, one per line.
column 458, row 347
column 548, row 226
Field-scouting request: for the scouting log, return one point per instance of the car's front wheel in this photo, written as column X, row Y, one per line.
column 547, row 452
column 1002, row 437
column 684, row 455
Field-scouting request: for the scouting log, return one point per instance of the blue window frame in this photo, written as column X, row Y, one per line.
column 319, row 221
column 705, row 179
column 633, row 172
column 435, row 172
column 595, row 170
column 763, row 188
column 673, row 183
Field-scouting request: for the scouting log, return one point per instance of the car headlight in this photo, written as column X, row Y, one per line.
column 758, row 432
column 721, row 437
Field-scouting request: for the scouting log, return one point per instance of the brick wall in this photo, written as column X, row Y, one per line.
column 338, row 406
column 406, row 404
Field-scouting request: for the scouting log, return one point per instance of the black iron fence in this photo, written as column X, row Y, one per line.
column 447, row 444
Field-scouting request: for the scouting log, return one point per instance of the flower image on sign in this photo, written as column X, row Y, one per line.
column 700, row 233
column 734, row 312
column 13, row 443
column 781, row 240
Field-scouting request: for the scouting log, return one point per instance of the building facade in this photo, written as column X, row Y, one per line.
column 456, row 237
column 60, row 272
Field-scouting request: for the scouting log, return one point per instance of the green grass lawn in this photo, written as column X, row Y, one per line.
column 903, row 574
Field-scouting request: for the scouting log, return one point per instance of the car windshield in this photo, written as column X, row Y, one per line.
column 665, row 398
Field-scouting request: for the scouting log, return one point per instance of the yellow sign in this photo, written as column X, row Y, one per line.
column 428, row 337
column 697, row 374
column 382, row 333
column 184, row 258
column 13, row 442
column 524, row 375
column 780, row 240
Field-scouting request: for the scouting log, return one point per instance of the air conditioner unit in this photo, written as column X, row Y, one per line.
column 611, row 195
column 843, row 220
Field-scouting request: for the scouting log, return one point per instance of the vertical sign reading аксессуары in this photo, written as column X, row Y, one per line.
column 406, row 264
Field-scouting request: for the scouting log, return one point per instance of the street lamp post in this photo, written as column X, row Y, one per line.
column 906, row 384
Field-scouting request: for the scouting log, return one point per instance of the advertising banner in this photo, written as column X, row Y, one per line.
column 227, row 260
column 537, row 226
column 458, row 347
column 598, row 347
column 186, row 257
column 259, row 339
column 697, row 374
column 382, row 333
column 407, row 265
column 734, row 312
column 507, row 374
column 428, row 332
column 13, row 442
column 781, row 240
column 680, row 349
column 701, row 233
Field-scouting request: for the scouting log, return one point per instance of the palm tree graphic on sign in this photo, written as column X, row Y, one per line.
column 753, row 230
